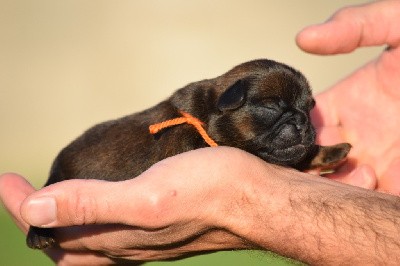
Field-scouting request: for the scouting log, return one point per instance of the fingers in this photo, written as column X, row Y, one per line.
column 118, row 240
column 390, row 181
column 363, row 176
column 62, row 257
column 13, row 191
column 352, row 27
column 135, row 244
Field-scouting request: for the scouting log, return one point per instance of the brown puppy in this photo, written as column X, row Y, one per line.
column 260, row 106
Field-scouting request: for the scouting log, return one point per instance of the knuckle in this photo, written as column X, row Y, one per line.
column 155, row 209
column 344, row 12
column 82, row 208
column 351, row 15
column 154, row 203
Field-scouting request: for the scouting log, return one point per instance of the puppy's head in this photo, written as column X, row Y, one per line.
column 266, row 105
column 260, row 106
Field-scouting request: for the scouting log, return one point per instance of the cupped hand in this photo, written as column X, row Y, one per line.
column 364, row 108
column 179, row 207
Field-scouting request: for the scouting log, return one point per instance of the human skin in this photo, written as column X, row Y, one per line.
column 223, row 198
column 266, row 207
column 363, row 108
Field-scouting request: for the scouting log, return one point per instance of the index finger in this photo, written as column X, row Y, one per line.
column 14, row 189
column 352, row 27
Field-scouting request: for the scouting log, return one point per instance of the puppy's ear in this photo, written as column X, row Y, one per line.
column 234, row 97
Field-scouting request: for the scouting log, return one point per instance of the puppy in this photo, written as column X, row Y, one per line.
column 260, row 106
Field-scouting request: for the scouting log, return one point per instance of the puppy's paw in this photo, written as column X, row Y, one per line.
column 330, row 157
column 40, row 238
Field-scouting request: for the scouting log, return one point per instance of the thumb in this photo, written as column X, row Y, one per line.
column 80, row 202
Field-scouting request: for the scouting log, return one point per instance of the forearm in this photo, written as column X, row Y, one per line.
column 319, row 221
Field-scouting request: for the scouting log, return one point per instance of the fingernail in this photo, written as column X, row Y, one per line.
column 41, row 212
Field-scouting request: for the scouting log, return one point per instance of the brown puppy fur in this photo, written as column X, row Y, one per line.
column 260, row 106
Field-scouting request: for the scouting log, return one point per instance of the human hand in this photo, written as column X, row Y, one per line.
column 364, row 108
column 178, row 207
column 204, row 200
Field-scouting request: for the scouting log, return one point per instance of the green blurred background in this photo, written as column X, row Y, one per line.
column 66, row 65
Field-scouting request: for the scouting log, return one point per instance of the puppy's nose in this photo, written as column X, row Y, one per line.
column 295, row 116
column 288, row 135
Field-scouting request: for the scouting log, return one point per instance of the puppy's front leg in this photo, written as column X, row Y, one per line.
column 40, row 238
column 330, row 157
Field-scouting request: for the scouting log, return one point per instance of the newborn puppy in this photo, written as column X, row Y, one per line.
column 260, row 106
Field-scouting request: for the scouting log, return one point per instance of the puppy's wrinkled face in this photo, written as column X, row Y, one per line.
column 269, row 112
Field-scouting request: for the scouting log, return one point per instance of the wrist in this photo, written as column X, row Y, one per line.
column 260, row 209
column 254, row 196
column 313, row 219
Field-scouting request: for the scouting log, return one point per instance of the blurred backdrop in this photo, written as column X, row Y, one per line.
column 66, row 65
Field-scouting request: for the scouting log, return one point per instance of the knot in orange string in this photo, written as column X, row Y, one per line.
column 186, row 118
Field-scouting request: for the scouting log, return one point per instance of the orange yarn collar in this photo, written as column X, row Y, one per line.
column 186, row 118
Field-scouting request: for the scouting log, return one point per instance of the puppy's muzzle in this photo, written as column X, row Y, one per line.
column 293, row 129
column 288, row 135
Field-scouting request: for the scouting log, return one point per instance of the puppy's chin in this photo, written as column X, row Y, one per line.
column 287, row 156
column 291, row 144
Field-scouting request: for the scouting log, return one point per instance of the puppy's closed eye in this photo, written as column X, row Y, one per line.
column 276, row 104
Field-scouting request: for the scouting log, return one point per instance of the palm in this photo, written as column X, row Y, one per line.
column 365, row 110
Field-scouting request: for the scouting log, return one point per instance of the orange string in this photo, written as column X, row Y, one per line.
column 186, row 118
